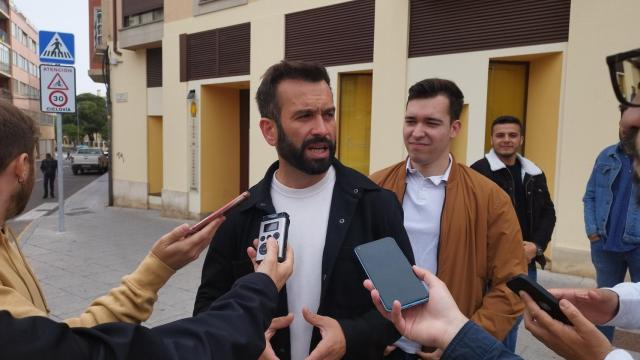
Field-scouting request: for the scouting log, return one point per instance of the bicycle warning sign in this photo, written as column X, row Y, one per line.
column 57, row 89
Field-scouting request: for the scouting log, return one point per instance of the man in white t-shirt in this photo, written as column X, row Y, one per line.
column 324, row 312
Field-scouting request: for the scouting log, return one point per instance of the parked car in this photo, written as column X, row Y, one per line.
column 89, row 159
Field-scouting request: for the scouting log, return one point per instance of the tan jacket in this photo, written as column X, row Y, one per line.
column 480, row 245
column 132, row 301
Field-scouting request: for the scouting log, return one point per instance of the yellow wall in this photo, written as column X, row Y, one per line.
column 389, row 92
column 154, row 154
column 543, row 112
column 355, row 121
column 459, row 144
column 129, row 92
column 219, row 146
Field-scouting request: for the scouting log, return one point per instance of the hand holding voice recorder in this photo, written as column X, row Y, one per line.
column 276, row 226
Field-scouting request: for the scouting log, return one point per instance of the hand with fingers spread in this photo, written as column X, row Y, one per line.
column 278, row 272
column 276, row 324
column 434, row 323
column 333, row 344
column 597, row 305
column 176, row 248
column 580, row 341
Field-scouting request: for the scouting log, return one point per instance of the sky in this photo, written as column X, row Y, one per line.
column 70, row 16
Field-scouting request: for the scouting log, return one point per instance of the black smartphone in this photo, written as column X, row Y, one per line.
column 391, row 274
column 540, row 295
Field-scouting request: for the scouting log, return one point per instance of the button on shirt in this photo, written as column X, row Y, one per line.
column 422, row 204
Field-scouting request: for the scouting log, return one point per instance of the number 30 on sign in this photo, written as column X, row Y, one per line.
column 57, row 89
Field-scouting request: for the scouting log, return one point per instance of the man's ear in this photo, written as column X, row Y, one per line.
column 269, row 131
column 22, row 166
column 456, row 125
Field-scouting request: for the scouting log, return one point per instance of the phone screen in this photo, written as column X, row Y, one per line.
column 216, row 214
column 391, row 273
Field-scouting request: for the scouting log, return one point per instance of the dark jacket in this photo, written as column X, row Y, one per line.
column 360, row 212
column 49, row 167
column 232, row 328
column 540, row 211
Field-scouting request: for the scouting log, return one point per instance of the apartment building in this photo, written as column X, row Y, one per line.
column 19, row 44
column 183, row 76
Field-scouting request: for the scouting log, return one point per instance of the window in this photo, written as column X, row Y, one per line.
column 97, row 27
column 144, row 18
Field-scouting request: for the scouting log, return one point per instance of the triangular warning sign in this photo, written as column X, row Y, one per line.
column 56, row 49
column 57, row 83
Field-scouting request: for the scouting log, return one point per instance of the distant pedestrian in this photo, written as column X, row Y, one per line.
column 49, row 168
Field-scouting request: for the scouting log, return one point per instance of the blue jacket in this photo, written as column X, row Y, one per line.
column 472, row 342
column 599, row 197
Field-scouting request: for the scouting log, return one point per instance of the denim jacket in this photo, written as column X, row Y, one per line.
column 599, row 197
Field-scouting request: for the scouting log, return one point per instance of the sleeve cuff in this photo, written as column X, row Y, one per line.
column 628, row 300
column 618, row 354
column 151, row 274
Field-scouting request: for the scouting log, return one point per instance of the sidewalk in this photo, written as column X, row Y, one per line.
column 102, row 244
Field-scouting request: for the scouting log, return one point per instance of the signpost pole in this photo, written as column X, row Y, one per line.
column 60, row 173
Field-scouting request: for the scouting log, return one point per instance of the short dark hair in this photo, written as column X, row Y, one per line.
column 429, row 88
column 266, row 96
column 18, row 134
column 507, row 119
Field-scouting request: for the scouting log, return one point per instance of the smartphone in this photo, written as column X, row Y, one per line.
column 276, row 226
column 540, row 295
column 216, row 214
column 391, row 274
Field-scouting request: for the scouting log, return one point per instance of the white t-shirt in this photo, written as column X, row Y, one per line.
column 308, row 211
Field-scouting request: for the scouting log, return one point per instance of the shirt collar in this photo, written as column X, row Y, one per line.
column 435, row 179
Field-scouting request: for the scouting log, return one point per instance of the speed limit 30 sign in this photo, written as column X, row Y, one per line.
column 57, row 89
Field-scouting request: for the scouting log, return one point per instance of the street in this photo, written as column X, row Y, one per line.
column 37, row 206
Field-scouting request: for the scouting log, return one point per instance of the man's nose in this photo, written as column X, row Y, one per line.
column 320, row 126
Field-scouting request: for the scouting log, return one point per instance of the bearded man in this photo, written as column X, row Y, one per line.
column 324, row 309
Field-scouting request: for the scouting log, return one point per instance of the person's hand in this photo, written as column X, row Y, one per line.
column 434, row 355
column 434, row 323
column 276, row 324
column 177, row 249
column 278, row 272
column 580, row 341
column 530, row 250
column 594, row 237
column 389, row 349
column 597, row 305
column 333, row 344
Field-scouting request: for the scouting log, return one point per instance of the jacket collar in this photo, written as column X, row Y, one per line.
column 528, row 167
column 347, row 179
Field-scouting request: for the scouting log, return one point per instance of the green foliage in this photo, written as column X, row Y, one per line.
column 91, row 110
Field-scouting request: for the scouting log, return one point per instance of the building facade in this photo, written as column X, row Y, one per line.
column 183, row 76
column 19, row 41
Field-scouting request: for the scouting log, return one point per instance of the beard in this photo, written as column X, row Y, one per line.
column 296, row 155
column 19, row 199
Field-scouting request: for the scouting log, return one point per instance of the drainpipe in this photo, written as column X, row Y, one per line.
column 115, row 28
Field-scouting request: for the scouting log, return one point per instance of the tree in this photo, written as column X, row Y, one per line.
column 92, row 115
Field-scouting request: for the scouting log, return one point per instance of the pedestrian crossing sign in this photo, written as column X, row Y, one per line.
column 56, row 47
